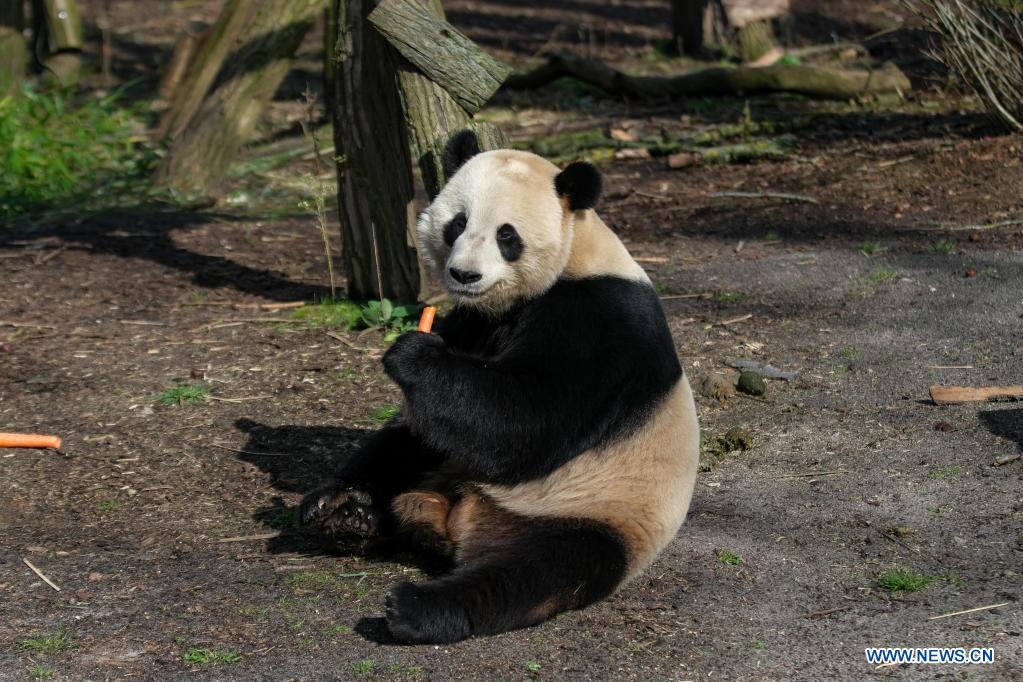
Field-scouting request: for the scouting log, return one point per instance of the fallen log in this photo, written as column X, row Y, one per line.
column 812, row 81
column 951, row 395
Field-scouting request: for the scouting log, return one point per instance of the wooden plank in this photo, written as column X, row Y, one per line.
column 950, row 395
column 440, row 51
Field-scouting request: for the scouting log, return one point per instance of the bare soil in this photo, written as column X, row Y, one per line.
column 170, row 528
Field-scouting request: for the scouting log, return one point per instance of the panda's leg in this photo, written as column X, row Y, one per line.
column 358, row 500
column 511, row 572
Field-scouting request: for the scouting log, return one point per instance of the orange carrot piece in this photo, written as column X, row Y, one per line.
column 28, row 440
column 426, row 321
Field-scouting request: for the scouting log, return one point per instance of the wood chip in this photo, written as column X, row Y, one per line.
column 962, row 613
column 40, row 574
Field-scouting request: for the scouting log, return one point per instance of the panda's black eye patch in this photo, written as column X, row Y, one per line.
column 454, row 229
column 509, row 243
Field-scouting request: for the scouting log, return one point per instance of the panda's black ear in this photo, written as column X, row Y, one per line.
column 460, row 147
column 581, row 183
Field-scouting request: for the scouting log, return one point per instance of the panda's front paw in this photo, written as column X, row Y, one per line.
column 405, row 359
column 341, row 510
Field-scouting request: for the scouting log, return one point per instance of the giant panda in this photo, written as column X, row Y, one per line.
column 548, row 440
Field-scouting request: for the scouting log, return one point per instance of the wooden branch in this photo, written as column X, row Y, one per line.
column 950, row 395
column 182, row 58
column 818, row 82
column 440, row 51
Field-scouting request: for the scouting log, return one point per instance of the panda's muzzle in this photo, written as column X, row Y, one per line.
column 464, row 276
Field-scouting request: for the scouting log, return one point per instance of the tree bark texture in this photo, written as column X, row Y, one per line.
column 181, row 61
column 387, row 114
column 199, row 156
column 58, row 29
column 687, row 26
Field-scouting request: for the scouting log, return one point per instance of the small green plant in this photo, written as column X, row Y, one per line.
column 41, row 672
column 48, row 644
column 771, row 236
column 729, row 558
column 385, row 413
column 883, row 276
column 946, row 472
column 363, row 667
column 338, row 630
column 869, row 248
column 789, row 59
column 197, row 656
column 532, row 666
column 934, row 510
column 330, row 314
column 393, row 319
column 109, row 505
column 726, row 298
column 944, row 246
column 849, row 352
column 181, row 394
column 904, row 580
column 59, row 149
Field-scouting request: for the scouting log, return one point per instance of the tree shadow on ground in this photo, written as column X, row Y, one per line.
column 1007, row 423
column 148, row 234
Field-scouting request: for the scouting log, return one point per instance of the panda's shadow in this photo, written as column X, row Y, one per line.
column 299, row 459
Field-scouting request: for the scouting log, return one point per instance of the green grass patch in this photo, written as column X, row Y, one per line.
column 197, row 656
column 58, row 149
column 771, row 236
column 883, row 276
column 41, row 672
column 363, row 667
column 183, row 394
column 869, row 248
column 944, row 246
column 340, row 630
column 48, row 644
column 849, row 352
column 727, row 298
column 385, row 413
column 729, row 558
column 946, row 472
column 904, row 580
column 330, row 314
column 109, row 505
column 532, row 666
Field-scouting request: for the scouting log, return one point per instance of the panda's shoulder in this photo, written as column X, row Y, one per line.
column 604, row 298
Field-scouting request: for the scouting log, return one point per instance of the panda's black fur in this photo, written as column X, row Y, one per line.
column 503, row 399
column 514, row 398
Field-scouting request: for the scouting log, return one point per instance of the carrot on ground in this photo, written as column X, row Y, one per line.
column 28, row 440
column 426, row 321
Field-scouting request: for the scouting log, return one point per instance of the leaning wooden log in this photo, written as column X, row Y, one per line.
column 438, row 50
column 200, row 155
column 818, row 82
column 218, row 42
column 181, row 59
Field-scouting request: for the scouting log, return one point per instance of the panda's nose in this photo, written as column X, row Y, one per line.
column 464, row 276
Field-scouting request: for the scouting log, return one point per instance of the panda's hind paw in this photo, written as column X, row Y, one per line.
column 341, row 511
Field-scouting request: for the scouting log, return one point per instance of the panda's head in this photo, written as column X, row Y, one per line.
column 501, row 229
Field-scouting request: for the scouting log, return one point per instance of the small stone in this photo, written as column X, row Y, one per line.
column 95, row 577
column 874, row 501
column 944, row 427
column 970, row 272
column 902, row 531
column 198, row 373
column 716, row 387
column 752, row 383
column 1019, row 540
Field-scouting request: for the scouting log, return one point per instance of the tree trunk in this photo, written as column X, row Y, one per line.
column 13, row 53
column 260, row 59
column 687, row 26
column 386, row 114
column 58, row 25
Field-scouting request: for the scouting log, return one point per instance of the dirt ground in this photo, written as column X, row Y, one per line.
column 899, row 265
